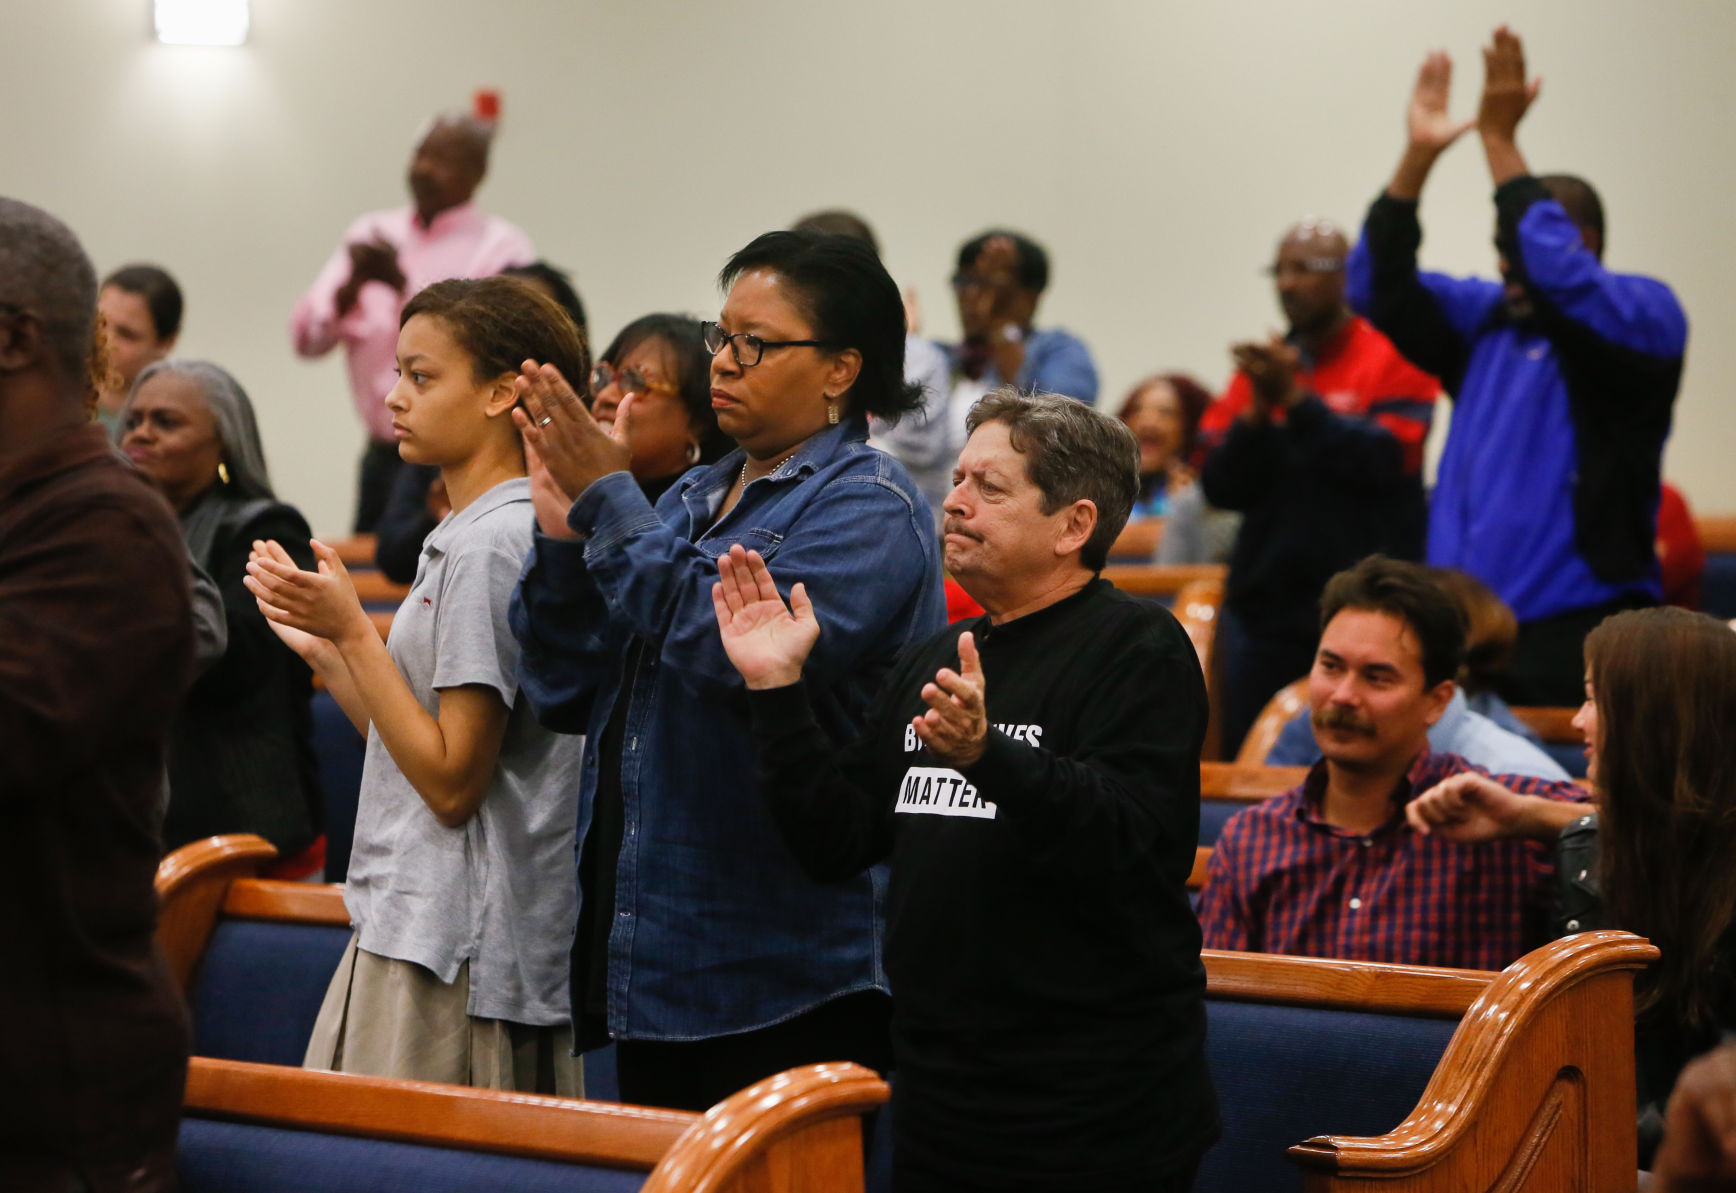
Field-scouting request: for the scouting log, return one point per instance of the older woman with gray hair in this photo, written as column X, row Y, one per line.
column 241, row 758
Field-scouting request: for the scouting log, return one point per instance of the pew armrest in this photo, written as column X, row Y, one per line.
column 192, row 883
column 1535, row 1090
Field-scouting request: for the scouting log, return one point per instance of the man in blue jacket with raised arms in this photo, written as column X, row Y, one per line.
column 1563, row 377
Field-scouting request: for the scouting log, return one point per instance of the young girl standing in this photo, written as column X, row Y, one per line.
column 460, row 886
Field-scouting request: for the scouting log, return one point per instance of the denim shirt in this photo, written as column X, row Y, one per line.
column 716, row 928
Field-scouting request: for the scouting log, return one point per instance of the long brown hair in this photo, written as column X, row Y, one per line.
column 1665, row 685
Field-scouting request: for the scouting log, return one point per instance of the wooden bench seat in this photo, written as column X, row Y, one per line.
column 1430, row 1080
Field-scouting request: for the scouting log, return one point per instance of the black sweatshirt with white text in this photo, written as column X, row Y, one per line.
column 1048, row 1017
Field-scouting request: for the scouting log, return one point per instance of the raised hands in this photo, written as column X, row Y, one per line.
column 1472, row 807
column 1271, row 369
column 956, row 726
column 305, row 608
column 767, row 642
column 567, row 441
column 1507, row 95
column 1430, row 124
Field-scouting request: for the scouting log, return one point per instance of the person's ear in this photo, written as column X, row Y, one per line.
column 1438, row 697
column 846, row 367
column 21, row 342
column 1077, row 526
column 502, row 396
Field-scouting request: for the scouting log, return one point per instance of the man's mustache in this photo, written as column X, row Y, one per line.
column 953, row 526
column 1336, row 717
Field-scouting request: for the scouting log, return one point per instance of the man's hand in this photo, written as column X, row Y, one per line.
column 1699, row 1150
column 956, row 726
column 1430, row 127
column 370, row 261
column 1506, row 93
column 767, row 642
column 1431, row 124
column 567, row 440
column 1271, row 369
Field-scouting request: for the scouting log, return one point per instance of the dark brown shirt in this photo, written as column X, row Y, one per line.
column 95, row 650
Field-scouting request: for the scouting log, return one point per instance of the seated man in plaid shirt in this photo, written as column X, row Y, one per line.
column 1331, row 869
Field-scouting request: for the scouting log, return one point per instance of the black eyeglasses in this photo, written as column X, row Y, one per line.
column 747, row 349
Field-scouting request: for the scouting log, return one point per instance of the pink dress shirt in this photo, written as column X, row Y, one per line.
column 462, row 242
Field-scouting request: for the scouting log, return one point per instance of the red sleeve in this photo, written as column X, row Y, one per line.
column 1681, row 555
column 1401, row 398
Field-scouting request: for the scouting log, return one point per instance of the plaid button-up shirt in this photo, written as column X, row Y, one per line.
column 1282, row 880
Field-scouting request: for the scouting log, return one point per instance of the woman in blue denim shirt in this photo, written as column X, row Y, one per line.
column 703, row 949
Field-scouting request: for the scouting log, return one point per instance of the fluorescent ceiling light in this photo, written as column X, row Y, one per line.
column 202, row 22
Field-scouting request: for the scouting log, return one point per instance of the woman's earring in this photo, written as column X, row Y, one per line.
column 693, row 453
column 223, row 470
column 831, row 412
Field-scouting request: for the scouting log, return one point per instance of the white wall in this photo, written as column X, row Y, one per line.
column 1157, row 147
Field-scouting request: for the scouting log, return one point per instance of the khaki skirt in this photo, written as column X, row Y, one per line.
column 386, row 1018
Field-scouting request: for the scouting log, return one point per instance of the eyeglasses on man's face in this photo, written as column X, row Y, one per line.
column 630, row 381
column 748, row 349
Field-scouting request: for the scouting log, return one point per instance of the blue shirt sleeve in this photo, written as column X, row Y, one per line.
column 857, row 545
column 567, row 646
column 1638, row 313
column 1060, row 363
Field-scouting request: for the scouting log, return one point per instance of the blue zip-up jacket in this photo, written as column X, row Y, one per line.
column 1548, row 488
column 716, row 928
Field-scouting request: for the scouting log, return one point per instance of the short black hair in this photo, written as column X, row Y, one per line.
column 835, row 221
column 1033, row 271
column 559, row 283
column 684, row 344
column 846, row 295
column 1408, row 592
column 162, row 296
column 1578, row 198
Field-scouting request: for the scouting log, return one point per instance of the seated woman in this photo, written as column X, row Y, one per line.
column 241, row 759
column 703, row 947
column 1163, row 412
column 1659, row 856
column 460, row 883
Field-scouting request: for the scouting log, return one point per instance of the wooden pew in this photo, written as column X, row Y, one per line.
column 792, row 1132
column 357, row 551
column 1164, row 582
column 1138, row 541
column 1534, row 1087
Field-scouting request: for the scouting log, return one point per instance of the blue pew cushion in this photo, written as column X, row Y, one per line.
column 1284, row 1074
column 259, row 989
column 223, row 1157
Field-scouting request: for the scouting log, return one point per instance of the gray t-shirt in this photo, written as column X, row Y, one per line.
column 498, row 892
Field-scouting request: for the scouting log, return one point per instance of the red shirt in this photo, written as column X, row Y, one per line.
column 1282, row 880
column 1358, row 373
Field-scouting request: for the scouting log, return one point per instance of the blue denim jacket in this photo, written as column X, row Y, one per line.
column 716, row 928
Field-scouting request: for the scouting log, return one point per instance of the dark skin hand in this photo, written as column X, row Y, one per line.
column 997, row 303
column 1507, row 96
column 1271, row 369
column 571, row 446
column 372, row 261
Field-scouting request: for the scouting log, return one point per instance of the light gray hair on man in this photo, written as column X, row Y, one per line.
column 44, row 270
column 1072, row 453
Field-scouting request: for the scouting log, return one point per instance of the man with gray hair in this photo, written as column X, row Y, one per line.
column 95, row 651
column 385, row 258
column 1033, row 775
